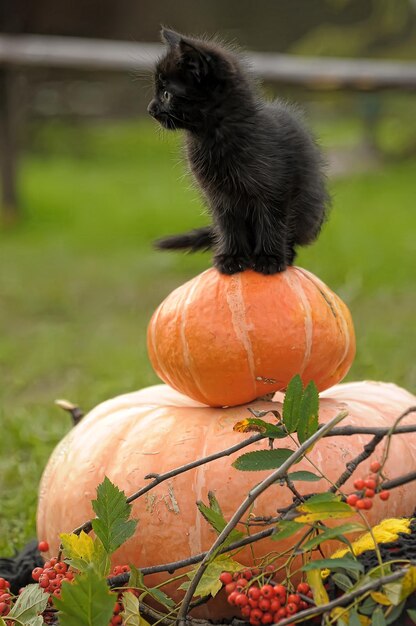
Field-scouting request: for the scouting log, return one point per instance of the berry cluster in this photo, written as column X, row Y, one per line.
column 368, row 489
column 266, row 603
column 5, row 597
column 51, row 576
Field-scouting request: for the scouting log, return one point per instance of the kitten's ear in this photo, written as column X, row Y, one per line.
column 196, row 59
column 170, row 37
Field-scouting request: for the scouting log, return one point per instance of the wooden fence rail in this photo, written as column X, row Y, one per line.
column 26, row 51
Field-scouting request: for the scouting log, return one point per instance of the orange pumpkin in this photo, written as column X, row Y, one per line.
column 227, row 340
column 158, row 429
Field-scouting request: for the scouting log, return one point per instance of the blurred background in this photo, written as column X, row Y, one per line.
column 88, row 181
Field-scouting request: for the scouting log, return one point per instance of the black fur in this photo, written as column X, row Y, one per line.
column 257, row 166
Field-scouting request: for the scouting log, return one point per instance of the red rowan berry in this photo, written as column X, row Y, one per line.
column 254, row 593
column 352, row 499
column 280, row 614
column 280, row 590
column 267, row 618
column 293, row 597
column 226, row 578
column 267, row 591
column 369, row 493
column 246, row 611
column 37, row 573
column 303, row 588
column 232, row 597
column 370, row 483
column 275, row 605
column 375, row 466
column 247, row 574
column 43, row 546
column 241, row 600
column 60, row 567
column 303, row 605
column 253, row 603
column 230, row 587
column 359, row 484
column 291, row 608
column 264, row 604
column 384, row 495
column 256, row 614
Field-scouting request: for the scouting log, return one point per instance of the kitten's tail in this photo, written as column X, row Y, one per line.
column 198, row 239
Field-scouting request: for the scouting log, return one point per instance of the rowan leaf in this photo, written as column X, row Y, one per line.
column 291, row 403
column 131, row 614
column 412, row 614
column 333, row 533
column 315, row 582
column 322, row 506
column 308, row 413
column 136, row 578
column 82, row 550
column 210, row 583
column 285, row 529
column 377, row 618
column 112, row 525
column 260, row 460
column 343, row 563
column 161, row 597
column 216, row 519
column 29, row 604
column 309, row 477
column 87, row 601
column 254, row 424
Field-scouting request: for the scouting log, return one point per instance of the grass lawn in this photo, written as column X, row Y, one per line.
column 79, row 281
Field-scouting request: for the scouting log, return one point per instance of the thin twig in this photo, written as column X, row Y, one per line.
column 245, row 505
column 344, row 599
column 397, row 482
column 354, row 463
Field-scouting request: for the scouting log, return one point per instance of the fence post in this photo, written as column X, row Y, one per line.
column 8, row 150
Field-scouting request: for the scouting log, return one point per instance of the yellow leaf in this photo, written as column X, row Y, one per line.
column 245, row 426
column 315, row 582
column 409, row 582
column 78, row 546
column 380, row 598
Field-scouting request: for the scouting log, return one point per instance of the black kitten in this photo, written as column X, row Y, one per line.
column 258, row 167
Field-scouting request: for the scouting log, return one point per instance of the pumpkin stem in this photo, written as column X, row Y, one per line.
column 76, row 413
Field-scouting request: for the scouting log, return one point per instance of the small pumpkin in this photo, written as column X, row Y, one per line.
column 158, row 429
column 227, row 340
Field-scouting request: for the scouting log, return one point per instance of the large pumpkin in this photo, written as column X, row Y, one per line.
column 227, row 340
column 158, row 429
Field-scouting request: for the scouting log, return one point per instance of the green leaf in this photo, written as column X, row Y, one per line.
column 368, row 606
column 291, row 403
column 333, row 533
column 344, row 563
column 136, row 578
column 412, row 614
column 218, row 522
column 36, row 621
column 354, row 620
column 286, row 529
column 394, row 613
column 342, row 581
column 320, row 507
column 161, row 597
column 131, row 614
column 308, row 413
column 309, row 477
column 262, row 460
column 30, row 603
column 2, row 622
column 213, row 502
column 86, row 601
column 377, row 618
column 250, row 424
column 112, row 525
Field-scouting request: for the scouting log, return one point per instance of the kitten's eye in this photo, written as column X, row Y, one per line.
column 167, row 96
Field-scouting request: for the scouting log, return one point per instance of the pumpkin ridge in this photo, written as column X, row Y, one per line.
column 297, row 288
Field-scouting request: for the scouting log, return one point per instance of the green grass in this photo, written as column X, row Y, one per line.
column 79, row 281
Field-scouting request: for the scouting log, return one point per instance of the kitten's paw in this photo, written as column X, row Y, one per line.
column 267, row 264
column 228, row 264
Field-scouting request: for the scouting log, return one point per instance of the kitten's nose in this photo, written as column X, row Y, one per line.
column 153, row 108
